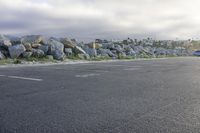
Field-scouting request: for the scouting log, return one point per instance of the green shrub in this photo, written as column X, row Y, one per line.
column 17, row 61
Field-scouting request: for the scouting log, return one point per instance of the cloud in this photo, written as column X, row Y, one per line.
column 89, row 19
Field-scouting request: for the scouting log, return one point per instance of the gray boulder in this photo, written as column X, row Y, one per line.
column 16, row 50
column 56, row 49
column 1, row 56
column 27, row 54
column 38, row 53
column 55, row 45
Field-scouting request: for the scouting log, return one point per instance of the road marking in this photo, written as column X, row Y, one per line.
column 24, row 78
column 131, row 69
column 87, row 75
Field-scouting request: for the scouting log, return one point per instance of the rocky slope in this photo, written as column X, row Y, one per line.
column 59, row 48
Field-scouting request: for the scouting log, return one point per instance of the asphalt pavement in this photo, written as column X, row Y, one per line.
column 147, row 96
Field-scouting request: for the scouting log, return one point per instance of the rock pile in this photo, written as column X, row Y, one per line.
column 59, row 48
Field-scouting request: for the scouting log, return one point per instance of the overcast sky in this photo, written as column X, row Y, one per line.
column 88, row 19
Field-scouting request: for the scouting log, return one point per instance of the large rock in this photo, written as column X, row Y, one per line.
column 55, row 45
column 38, row 53
column 16, row 50
column 34, row 39
column 56, row 49
column 68, row 43
column 1, row 56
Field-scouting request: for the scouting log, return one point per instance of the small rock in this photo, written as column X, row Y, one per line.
column 36, row 45
column 50, row 57
column 68, row 51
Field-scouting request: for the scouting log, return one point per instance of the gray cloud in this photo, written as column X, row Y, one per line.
column 89, row 19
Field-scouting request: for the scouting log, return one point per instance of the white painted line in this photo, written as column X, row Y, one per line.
column 25, row 78
column 87, row 75
column 2, row 75
column 131, row 69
